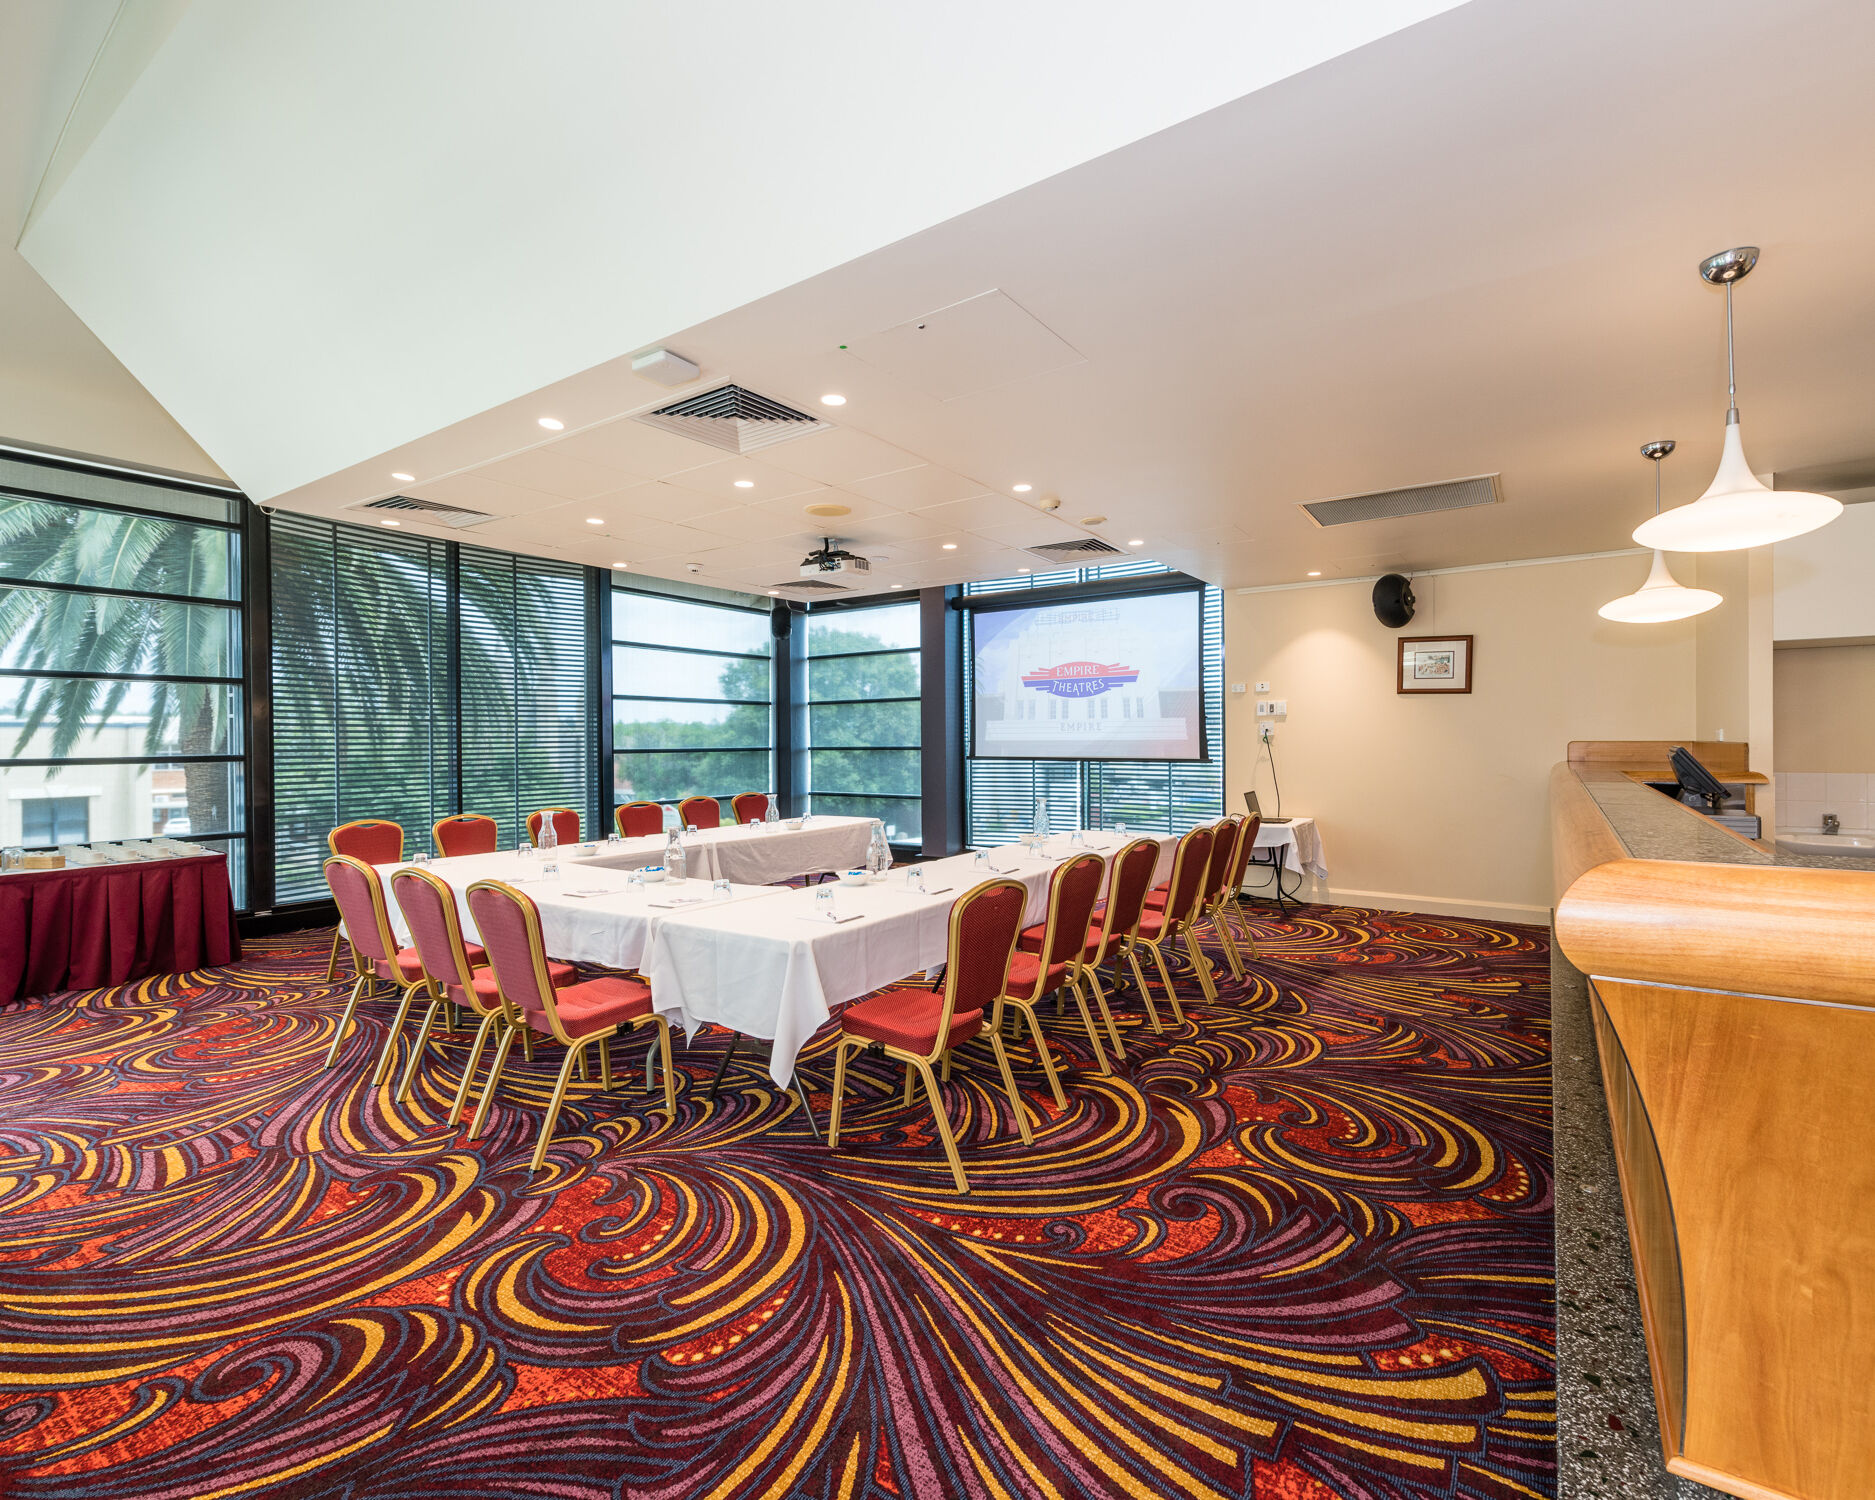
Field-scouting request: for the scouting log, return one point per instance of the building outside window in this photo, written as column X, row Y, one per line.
column 862, row 714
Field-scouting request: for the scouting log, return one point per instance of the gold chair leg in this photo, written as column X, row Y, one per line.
column 1199, row 961
column 416, row 1052
column 605, row 1063
column 1015, row 1094
column 389, row 1055
column 468, row 1068
column 1145, row 990
column 908, row 1077
column 1158, row 955
column 1251, row 951
column 943, row 1125
column 664, row 1057
column 527, row 1044
column 332, row 963
column 1093, row 1035
column 580, row 1053
column 839, row 1092
column 1041, row 1051
column 574, row 1055
column 1225, row 941
column 944, row 1068
column 345, row 1020
column 1100, row 999
column 502, row 1049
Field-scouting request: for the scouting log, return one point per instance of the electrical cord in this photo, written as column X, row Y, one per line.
column 1276, row 870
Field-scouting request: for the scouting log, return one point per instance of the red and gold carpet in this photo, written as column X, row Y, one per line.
column 1299, row 1249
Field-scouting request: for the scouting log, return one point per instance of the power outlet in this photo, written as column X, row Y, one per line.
column 1263, row 708
column 1263, row 687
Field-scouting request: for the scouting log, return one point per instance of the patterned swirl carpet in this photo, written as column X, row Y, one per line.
column 1297, row 1249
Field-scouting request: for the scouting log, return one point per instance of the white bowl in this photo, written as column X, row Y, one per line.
column 652, row 874
column 854, row 877
column 793, row 825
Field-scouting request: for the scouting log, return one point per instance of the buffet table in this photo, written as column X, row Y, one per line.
column 87, row 926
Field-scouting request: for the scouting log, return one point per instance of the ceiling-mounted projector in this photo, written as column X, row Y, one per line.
column 831, row 562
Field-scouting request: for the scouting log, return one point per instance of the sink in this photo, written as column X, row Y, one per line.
column 1845, row 845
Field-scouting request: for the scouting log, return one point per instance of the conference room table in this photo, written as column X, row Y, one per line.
column 746, row 853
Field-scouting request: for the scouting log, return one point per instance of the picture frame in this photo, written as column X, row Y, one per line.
column 1435, row 664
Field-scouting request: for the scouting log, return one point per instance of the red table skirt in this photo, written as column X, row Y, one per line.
column 88, row 926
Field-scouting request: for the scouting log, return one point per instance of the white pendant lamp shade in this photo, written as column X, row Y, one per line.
column 1658, row 600
column 1737, row 511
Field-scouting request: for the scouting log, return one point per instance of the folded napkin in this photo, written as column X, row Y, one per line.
column 598, row 890
column 679, row 901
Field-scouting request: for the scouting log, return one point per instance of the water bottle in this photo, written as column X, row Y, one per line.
column 549, row 847
column 878, row 852
column 675, row 860
column 772, row 818
column 1041, row 823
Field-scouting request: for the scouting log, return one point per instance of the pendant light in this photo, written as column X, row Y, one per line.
column 1736, row 510
column 1662, row 597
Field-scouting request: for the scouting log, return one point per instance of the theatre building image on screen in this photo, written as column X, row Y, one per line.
column 1100, row 679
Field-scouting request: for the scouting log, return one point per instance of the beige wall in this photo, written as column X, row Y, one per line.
column 1440, row 803
column 1826, row 708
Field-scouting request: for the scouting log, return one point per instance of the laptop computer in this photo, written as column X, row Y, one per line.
column 1256, row 811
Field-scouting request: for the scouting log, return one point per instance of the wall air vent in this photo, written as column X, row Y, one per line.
column 735, row 420
column 1074, row 554
column 429, row 510
column 1413, row 500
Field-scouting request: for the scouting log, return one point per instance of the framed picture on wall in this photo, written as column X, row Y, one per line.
column 1435, row 664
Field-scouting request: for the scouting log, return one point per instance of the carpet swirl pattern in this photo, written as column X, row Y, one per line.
column 1298, row 1248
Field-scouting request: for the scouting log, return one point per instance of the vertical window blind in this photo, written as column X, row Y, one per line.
column 414, row 678
column 862, row 701
column 1153, row 796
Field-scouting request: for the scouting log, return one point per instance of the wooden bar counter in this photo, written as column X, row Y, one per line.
column 1732, row 992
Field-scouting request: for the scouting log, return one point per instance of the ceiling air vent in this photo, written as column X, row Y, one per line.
column 429, row 510
column 1413, row 500
column 812, row 586
column 735, row 420
column 1072, row 554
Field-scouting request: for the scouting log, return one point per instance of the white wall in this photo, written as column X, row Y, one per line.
column 1440, row 803
column 1826, row 578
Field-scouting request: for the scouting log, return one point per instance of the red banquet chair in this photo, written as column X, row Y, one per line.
column 1225, row 837
column 748, row 807
column 465, row 833
column 637, row 819
column 918, row 1028
column 360, row 896
column 377, row 841
column 700, row 812
column 1055, row 963
column 1115, row 924
column 1240, row 866
column 533, row 998
column 1178, row 910
column 565, row 825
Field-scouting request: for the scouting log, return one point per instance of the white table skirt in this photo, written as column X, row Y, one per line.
column 1301, row 842
column 751, row 854
column 772, row 970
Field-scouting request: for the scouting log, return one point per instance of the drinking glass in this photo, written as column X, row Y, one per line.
column 981, row 864
column 690, row 830
column 526, row 849
column 635, row 881
column 914, row 880
column 1119, row 830
column 1077, row 840
column 720, row 889
column 612, row 842
column 823, row 902
column 420, row 857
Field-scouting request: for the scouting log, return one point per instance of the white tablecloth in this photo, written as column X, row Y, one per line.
column 1301, row 843
column 752, row 853
column 770, row 969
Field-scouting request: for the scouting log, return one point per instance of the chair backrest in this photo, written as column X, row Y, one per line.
column 1189, row 865
column 377, row 841
column 1223, row 855
column 429, row 908
column 749, row 807
column 1126, row 892
column 985, row 923
column 509, row 924
column 636, row 819
column 465, row 833
column 565, row 825
column 1246, row 846
column 360, row 895
column 705, row 812
column 1073, row 889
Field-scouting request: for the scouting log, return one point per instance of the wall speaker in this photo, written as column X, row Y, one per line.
column 1393, row 600
column 780, row 621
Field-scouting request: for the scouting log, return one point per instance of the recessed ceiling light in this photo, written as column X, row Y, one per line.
column 745, row 484
column 390, row 523
column 895, row 585
column 403, row 478
column 595, row 520
column 1022, row 489
column 1138, row 541
column 772, row 593
column 950, row 546
column 621, row 565
column 1023, row 570
column 1093, row 520
column 1315, row 575
column 827, row 508
column 831, row 399
column 552, row 424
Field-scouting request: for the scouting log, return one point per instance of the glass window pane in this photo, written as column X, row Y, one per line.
column 642, row 672
column 105, row 549
column 54, row 717
column 117, row 489
column 881, row 629
column 140, row 800
column 667, row 776
column 863, row 677
column 853, row 772
column 655, row 619
column 901, row 819
column 51, row 630
column 852, row 724
column 654, row 725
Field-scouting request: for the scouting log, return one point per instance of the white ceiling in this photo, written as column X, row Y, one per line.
column 1466, row 248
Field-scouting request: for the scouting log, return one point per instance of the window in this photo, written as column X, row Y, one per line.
column 1152, row 796
column 414, row 678
column 862, row 705
column 692, row 706
column 122, row 709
